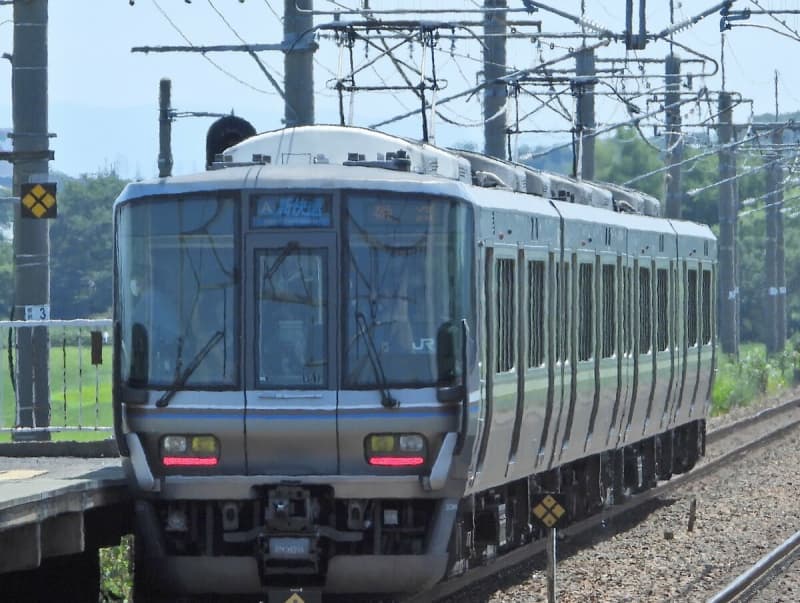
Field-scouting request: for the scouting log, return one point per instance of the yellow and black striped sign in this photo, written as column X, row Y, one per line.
column 38, row 200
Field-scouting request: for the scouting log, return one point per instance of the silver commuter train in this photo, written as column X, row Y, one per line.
column 345, row 361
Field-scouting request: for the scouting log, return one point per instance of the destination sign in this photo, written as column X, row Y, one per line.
column 292, row 211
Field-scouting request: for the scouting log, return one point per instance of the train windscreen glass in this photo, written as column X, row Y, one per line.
column 177, row 288
column 292, row 310
column 408, row 276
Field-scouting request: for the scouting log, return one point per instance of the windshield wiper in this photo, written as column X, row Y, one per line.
column 372, row 353
column 285, row 252
column 190, row 368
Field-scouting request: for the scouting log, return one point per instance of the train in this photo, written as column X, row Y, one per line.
column 346, row 362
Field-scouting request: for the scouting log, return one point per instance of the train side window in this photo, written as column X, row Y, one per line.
column 505, row 317
column 609, row 325
column 662, row 308
column 706, row 307
column 562, row 311
column 585, row 311
column 645, row 303
column 691, row 298
column 536, row 301
column 627, row 322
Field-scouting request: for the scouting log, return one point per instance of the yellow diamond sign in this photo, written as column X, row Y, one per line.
column 38, row 200
column 295, row 598
column 549, row 510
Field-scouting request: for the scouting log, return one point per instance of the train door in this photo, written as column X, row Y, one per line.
column 625, row 314
column 291, row 392
column 689, row 334
column 534, row 402
column 502, row 329
column 562, row 321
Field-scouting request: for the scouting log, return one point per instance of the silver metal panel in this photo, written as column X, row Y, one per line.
column 220, row 414
column 361, row 413
column 289, row 430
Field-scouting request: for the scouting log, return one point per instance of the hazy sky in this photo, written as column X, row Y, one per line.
column 104, row 99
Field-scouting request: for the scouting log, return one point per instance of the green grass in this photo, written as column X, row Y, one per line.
column 75, row 387
column 752, row 377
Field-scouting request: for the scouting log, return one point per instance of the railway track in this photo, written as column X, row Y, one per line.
column 787, row 416
column 761, row 572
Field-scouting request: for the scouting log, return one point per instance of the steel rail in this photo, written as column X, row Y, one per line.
column 761, row 572
column 517, row 556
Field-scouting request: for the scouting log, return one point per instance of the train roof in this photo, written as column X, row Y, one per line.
column 344, row 157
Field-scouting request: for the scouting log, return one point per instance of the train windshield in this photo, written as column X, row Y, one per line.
column 408, row 275
column 176, row 293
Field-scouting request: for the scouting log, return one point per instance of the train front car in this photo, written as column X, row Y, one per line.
column 290, row 385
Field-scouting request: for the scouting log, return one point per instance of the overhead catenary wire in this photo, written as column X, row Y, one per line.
column 211, row 61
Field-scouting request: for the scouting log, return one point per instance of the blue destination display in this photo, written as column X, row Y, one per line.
column 292, row 211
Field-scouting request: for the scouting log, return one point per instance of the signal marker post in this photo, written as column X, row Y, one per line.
column 550, row 512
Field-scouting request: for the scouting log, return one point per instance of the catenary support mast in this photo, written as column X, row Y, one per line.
column 299, row 49
column 728, row 222
column 31, row 236
column 494, row 67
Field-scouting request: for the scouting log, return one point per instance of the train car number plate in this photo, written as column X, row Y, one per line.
column 289, row 548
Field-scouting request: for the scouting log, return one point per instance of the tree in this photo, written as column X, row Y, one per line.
column 81, row 246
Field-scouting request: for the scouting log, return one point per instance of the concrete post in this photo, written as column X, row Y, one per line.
column 585, row 70
column 164, row 129
column 31, row 236
column 728, row 224
column 672, row 182
column 298, row 62
column 494, row 95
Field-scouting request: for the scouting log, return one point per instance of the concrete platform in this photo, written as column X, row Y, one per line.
column 55, row 506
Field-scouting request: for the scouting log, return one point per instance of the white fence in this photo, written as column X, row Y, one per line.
column 80, row 387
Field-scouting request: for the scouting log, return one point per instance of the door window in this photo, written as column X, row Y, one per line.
column 291, row 319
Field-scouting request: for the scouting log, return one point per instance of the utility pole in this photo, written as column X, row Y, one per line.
column 672, row 182
column 585, row 126
column 299, row 47
column 31, row 236
column 773, row 205
column 780, row 269
column 494, row 67
column 728, row 219
column 164, row 129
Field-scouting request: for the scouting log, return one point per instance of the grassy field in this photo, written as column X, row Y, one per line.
column 80, row 393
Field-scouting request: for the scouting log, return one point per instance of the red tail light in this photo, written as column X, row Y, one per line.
column 189, row 461
column 396, row 461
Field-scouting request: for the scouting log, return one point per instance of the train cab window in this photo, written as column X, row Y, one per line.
column 536, row 312
column 585, row 311
column 407, row 276
column 505, row 315
column 662, row 306
column 692, row 317
column 645, row 307
column 609, row 324
column 291, row 320
column 178, row 309
column 706, row 307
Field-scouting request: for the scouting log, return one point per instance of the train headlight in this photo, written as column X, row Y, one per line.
column 411, row 443
column 395, row 449
column 189, row 451
column 381, row 443
column 174, row 444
